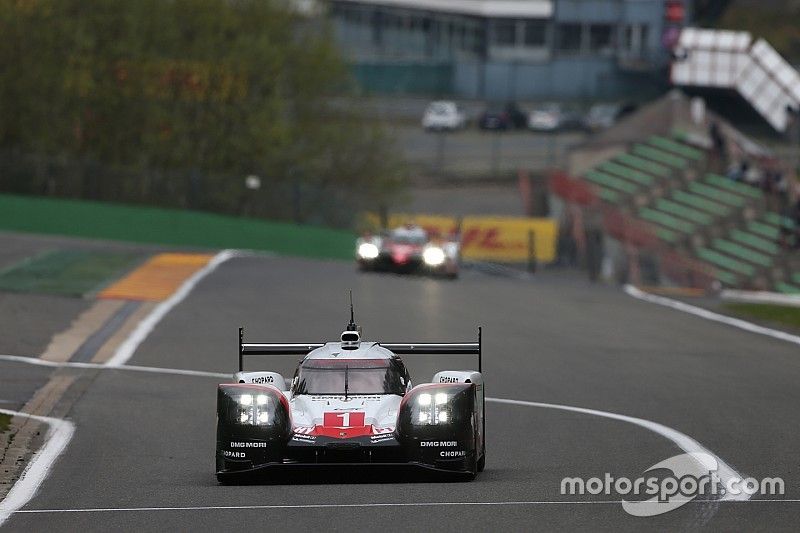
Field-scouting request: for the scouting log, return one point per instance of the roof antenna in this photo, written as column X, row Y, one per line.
column 352, row 325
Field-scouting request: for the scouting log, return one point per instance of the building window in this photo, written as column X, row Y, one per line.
column 569, row 37
column 636, row 37
column 535, row 33
column 601, row 37
column 505, row 32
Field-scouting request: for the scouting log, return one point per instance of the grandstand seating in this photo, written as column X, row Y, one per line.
column 721, row 223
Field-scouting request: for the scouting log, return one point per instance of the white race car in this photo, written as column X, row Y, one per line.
column 350, row 402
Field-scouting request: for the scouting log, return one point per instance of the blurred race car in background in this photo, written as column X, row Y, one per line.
column 409, row 249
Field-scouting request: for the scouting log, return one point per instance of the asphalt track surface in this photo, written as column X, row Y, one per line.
column 146, row 441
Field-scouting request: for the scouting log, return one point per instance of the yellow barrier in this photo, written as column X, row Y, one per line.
column 488, row 238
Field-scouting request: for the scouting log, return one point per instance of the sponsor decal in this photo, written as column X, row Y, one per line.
column 380, row 438
column 448, row 379
column 380, row 431
column 452, row 453
column 303, row 438
column 262, row 379
column 347, row 419
column 248, row 444
column 438, row 443
column 234, row 455
column 488, row 238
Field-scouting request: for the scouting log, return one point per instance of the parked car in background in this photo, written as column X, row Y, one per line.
column 554, row 117
column 603, row 116
column 502, row 117
column 444, row 115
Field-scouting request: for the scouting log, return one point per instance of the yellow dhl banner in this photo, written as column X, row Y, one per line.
column 488, row 238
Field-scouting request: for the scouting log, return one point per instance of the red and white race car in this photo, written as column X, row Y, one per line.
column 409, row 249
column 350, row 403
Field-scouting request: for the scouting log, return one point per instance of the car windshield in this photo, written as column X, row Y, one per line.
column 440, row 108
column 351, row 376
column 412, row 236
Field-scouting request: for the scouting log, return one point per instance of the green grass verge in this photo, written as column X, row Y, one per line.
column 781, row 314
column 5, row 421
column 66, row 272
column 150, row 225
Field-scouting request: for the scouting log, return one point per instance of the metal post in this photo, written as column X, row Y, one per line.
column 241, row 349
column 531, row 251
column 480, row 349
column 495, row 153
column 440, row 139
column 483, row 384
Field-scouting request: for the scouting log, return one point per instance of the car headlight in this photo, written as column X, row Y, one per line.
column 253, row 409
column 367, row 250
column 433, row 408
column 433, row 256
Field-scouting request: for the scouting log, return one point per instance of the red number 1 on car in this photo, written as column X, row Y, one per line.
column 345, row 419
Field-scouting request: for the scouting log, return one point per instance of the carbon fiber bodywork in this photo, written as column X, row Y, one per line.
column 452, row 447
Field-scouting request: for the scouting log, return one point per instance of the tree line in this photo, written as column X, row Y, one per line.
column 174, row 102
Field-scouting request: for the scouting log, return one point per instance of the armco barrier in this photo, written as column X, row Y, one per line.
column 488, row 238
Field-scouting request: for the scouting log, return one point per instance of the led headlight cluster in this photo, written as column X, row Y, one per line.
column 433, row 408
column 433, row 256
column 367, row 250
column 253, row 409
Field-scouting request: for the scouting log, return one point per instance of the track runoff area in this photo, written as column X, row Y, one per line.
column 592, row 392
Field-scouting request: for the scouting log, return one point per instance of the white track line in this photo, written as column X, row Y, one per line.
column 143, row 329
column 710, row 315
column 58, row 435
column 99, row 366
column 681, row 440
column 368, row 505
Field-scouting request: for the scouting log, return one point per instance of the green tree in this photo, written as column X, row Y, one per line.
column 175, row 101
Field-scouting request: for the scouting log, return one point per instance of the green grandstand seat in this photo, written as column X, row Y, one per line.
column 607, row 180
column 660, row 156
column 771, row 217
column 765, row 230
column 628, row 173
column 701, row 202
column 787, row 288
column 754, row 241
column 667, row 235
column 734, row 186
column 676, row 147
column 666, row 220
column 726, row 277
column 644, row 165
column 740, row 252
column 608, row 195
column 674, row 208
column 717, row 194
column 725, row 262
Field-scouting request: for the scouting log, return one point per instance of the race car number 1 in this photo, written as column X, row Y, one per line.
column 343, row 420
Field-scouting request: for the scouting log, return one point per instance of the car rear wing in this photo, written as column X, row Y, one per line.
column 419, row 348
